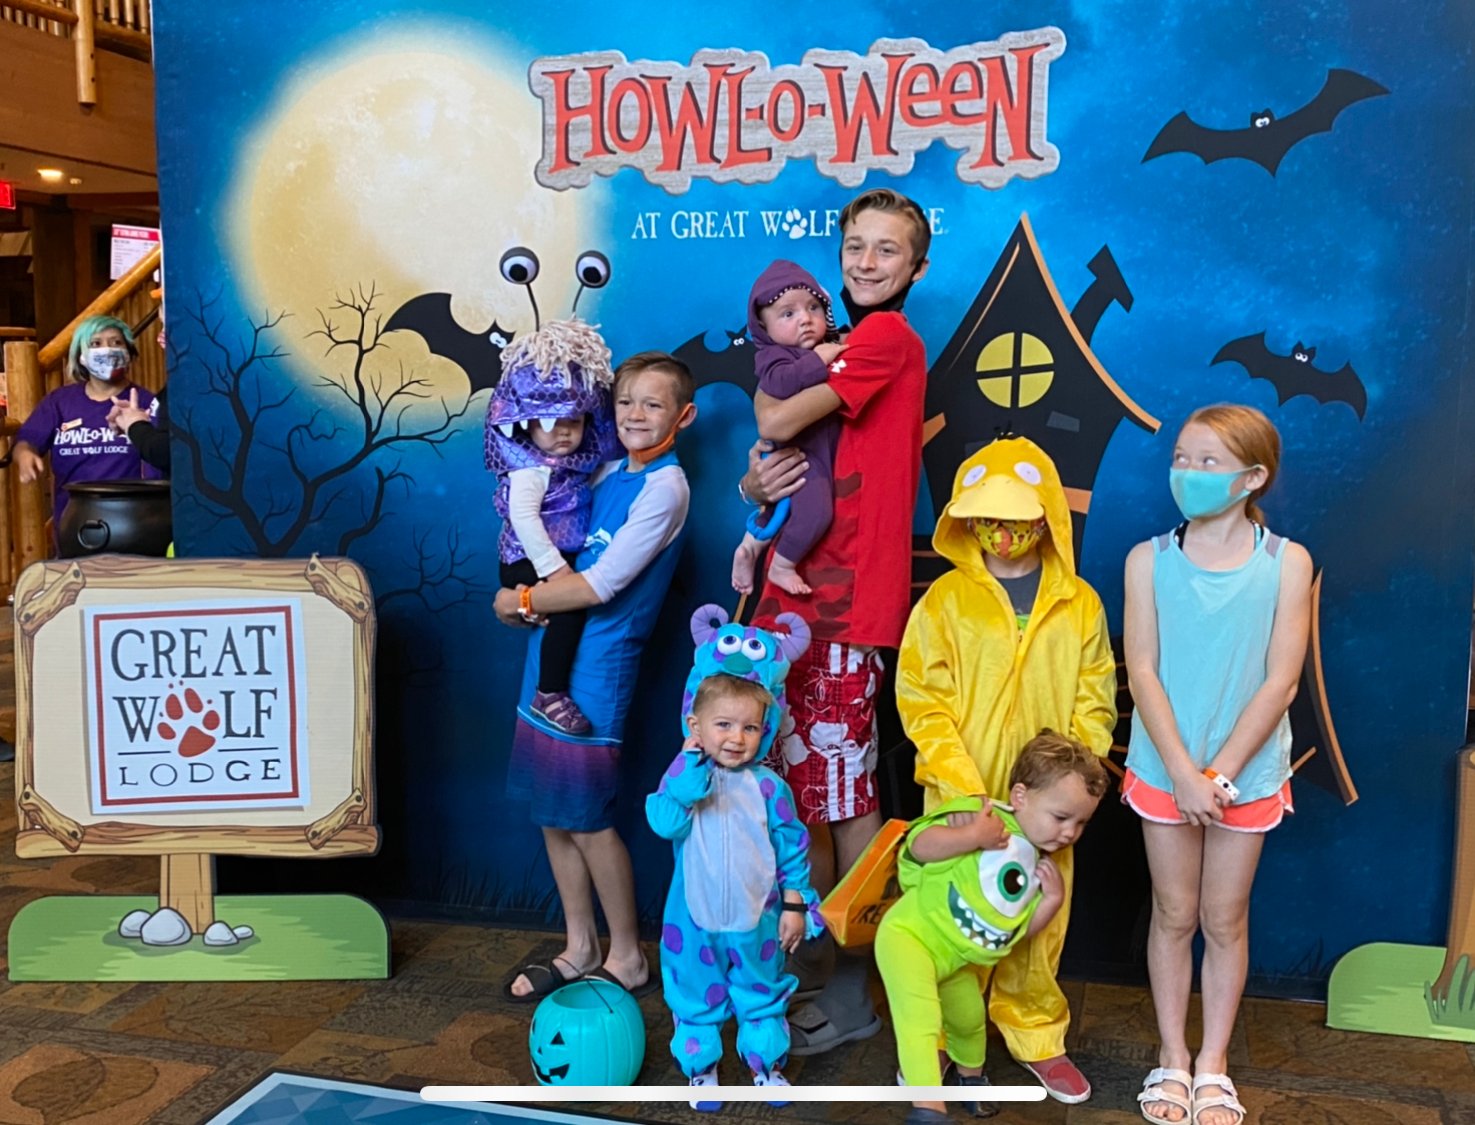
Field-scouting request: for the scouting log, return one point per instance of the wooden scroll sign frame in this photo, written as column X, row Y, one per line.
column 52, row 756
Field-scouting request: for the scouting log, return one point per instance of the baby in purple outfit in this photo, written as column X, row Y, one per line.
column 793, row 332
column 549, row 427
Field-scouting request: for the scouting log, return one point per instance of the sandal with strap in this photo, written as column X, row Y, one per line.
column 1229, row 1099
column 559, row 708
column 1155, row 1093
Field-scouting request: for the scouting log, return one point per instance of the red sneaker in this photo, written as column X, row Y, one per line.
column 1061, row 1078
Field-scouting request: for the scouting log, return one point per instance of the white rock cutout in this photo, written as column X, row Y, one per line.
column 132, row 924
column 244, row 932
column 165, row 927
column 218, row 933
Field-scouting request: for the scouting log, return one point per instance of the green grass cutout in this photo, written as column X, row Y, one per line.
column 298, row 937
column 1385, row 988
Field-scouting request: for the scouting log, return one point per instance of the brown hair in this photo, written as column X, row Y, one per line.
column 893, row 203
column 639, row 363
column 1047, row 757
column 1250, row 436
column 724, row 686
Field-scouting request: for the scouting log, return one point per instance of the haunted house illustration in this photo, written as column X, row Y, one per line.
column 1021, row 362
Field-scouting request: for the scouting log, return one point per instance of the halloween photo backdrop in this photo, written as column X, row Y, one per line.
column 1138, row 209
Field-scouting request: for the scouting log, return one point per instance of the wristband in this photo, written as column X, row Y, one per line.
column 795, row 907
column 744, row 494
column 1223, row 783
column 525, row 603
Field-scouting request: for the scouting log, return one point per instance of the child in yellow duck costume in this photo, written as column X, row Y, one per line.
column 983, row 668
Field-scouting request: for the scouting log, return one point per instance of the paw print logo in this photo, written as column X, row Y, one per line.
column 201, row 719
column 794, row 224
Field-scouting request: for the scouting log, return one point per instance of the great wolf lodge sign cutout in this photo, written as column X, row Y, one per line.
column 729, row 116
column 196, row 707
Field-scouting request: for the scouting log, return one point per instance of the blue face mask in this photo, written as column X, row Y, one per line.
column 1200, row 493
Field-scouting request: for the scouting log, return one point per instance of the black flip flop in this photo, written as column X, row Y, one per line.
column 652, row 982
column 544, row 976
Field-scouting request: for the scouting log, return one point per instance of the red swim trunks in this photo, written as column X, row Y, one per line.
column 829, row 747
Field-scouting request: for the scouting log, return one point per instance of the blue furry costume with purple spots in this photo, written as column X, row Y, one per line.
column 739, row 846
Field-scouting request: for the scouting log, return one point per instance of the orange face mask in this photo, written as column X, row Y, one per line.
column 646, row 456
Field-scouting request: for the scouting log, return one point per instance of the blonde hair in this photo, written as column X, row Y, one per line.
column 1250, row 436
column 1047, row 757
column 682, row 383
column 724, row 686
column 557, row 345
column 893, row 203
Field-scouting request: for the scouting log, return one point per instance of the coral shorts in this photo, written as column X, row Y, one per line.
column 1159, row 807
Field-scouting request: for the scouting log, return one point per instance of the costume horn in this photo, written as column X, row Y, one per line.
column 796, row 640
column 708, row 619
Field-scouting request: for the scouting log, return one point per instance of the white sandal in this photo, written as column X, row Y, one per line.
column 1153, row 1093
column 1228, row 1100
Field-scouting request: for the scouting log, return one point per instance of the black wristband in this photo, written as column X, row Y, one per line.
column 795, row 907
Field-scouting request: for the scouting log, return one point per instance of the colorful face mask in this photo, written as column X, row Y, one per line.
column 1200, row 493
column 1008, row 539
column 105, row 363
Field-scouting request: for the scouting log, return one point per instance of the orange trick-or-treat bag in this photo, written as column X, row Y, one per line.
column 853, row 910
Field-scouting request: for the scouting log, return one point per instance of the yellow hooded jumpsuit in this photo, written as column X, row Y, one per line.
column 972, row 690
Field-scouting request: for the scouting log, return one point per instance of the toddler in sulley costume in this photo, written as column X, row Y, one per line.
column 968, row 898
column 740, row 895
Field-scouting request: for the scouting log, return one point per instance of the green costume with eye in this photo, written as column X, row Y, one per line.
column 953, row 914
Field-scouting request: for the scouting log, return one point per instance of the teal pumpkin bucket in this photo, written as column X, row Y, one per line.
column 588, row 1033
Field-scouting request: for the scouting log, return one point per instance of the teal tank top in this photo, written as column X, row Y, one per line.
column 1213, row 636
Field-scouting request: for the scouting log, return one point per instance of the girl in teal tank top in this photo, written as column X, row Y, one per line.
column 1216, row 626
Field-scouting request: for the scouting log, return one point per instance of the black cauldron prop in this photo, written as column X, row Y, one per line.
column 130, row 517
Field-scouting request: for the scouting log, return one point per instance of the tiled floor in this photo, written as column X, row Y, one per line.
column 120, row 1054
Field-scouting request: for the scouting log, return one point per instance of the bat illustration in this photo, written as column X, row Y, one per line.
column 479, row 354
column 1268, row 138
column 732, row 364
column 1294, row 374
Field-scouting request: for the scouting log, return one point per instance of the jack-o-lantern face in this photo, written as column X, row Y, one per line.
column 588, row 1033
column 546, row 1069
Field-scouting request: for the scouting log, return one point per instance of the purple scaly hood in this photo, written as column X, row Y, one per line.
column 560, row 371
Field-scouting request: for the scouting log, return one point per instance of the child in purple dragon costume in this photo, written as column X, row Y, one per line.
column 549, row 426
column 793, row 331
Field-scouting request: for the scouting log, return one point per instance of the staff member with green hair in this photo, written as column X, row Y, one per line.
column 71, row 423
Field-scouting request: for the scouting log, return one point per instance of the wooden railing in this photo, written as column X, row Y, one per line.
column 114, row 25
column 29, row 371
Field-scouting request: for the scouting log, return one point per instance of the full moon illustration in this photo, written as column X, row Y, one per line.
column 405, row 164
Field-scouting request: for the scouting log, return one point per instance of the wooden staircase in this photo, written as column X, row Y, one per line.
column 31, row 372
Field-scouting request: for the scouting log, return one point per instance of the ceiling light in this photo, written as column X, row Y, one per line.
column 51, row 175
column 74, row 180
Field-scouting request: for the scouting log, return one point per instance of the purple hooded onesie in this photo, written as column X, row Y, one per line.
column 783, row 372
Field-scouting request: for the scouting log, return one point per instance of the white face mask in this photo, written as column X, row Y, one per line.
column 106, row 363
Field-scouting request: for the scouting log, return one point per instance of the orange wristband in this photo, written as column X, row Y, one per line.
column 525, row 602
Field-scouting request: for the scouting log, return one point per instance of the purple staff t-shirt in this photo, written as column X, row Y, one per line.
column 74, row 429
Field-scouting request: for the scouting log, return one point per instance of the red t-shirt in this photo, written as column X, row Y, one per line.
column 861, row 569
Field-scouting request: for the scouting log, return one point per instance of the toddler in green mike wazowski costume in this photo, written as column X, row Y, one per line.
column 968, row 899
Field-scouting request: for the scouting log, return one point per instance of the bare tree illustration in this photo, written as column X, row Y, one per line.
column 277, row 467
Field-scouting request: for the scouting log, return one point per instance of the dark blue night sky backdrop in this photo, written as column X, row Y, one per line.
column 1360, row 245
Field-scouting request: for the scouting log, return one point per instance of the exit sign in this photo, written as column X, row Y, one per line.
column 7, row 195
